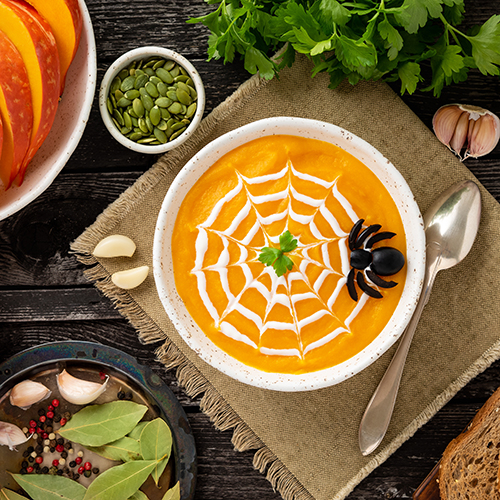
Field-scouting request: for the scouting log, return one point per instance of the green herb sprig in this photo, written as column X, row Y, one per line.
column 276, row 257
column 356, row 39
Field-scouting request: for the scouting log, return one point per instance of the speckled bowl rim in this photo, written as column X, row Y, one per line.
column 67, row 129
column 194, row 336
column 142, row 53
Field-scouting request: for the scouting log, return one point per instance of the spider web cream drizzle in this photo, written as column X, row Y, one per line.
column 249, row 255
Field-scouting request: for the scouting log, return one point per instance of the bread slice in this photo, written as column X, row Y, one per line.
column 470, row 464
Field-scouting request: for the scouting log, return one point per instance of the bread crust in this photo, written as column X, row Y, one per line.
column 470, row 465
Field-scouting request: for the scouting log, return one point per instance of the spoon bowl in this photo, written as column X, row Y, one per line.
column 451, row 224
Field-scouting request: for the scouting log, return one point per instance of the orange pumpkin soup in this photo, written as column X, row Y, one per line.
column 305, row 320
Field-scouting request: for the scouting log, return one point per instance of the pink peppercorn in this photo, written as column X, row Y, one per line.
column 78, row 460
column 39, row 460
column 50, row 408
column 55, row 403
column 55, row 462
column 81, row 470
column 45, row 435
column 63, row 422
column 32, row 430
column 32, row 423
column 42, row 418
column 50, row 414
column 87, row 466
column 29, row 469
column 60, row 448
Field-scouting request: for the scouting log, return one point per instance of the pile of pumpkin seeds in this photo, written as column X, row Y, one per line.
column 152, row 101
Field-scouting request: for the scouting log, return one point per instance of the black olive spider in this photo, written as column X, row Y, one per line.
column 382, row 261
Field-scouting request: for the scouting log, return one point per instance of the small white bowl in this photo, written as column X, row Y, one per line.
column 136, row 55
column 70, row 121
column 390, row 178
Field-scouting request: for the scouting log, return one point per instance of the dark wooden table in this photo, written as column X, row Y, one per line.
column 44, row 295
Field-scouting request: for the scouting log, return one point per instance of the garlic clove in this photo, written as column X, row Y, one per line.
column 486, row 138
column 130, row 278
column 11, row 435
column 115, row 245
column 461, row 128
column 78, row 391
column 444, row 122
column 27, row 393
column 456, row 125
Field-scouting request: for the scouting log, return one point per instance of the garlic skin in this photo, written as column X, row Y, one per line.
column 27, row 393
column 462, row 125
column 130, row 278
column 11, row 435
column 115, row 245
column 78, row 391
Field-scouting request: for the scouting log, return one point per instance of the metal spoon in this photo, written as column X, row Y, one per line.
column 451, row 225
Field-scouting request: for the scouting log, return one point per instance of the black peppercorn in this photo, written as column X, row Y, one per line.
column 49, row 422
column 23, row 471
column 72, row 463
column 128, row 396
column 26, row 453
column 49, row 429
column 60, row 441
column 52, row 449
column 87, row 473
column 76, row 477
column 64, row 454
column 39, row 440
column 24, row 464
column 30, row 449
column 41, row 425
column 39, row 449
column 45, row 470
column 57, row 418
column 53, row 443
column 31, row 459
column 59, row 472
column 120, row 395
column 66, row 415
column 66, row 470
column 39, row 470
column 95, row 470
column 68, row 445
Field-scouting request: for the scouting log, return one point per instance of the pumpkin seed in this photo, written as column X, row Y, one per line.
column 143, row 126
column 160, row 135
column 138, row 107
column 162, row 125
column 147, row 102
column 115, row 84
column 151, row 89
column 178, row 125
column 193, row 92
column 149, row 71
column 132, row 94
column 183, row 97
column 189, row 82
column 182, row 70
column 131, row 66
column 118, row 126
column 139, row 72
column 123, row 74
column 125, row 130
column 172, row 94
column 113, row 101
column 162, row 89
column 175, row 71
column 131, row 112
column 149, row 124
column 155, row 80
column 191, row 110
column 169, row 65
column 135, row 122
column 164, row 113
column 177, row 133
column 150, row 63
column 140, row 81
column 123, row 102
column 164, row 75
column 118, row 94
column 135, row 136
column 181, row 78
column 158, row 64
column 155, row 115
column 127, row 120
column 175, row 108
column 109, row 105
column 128, row 83
column 118, row 117
column 146, row 140
column 163, row 102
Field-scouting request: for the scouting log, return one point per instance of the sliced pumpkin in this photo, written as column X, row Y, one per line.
column 65, row 19
column 32, row 36
column 15, row 110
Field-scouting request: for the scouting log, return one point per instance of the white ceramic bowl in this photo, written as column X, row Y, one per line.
column 70, row 121
column 415, row 253
column 144, row 53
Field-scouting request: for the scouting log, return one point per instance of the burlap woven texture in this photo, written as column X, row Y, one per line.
column 307, row 443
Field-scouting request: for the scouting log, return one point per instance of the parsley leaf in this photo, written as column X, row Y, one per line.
column 355, row 40
column 276, row 257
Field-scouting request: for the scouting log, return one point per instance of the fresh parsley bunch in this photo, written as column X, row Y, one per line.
column 271, row 256
column 356, row 39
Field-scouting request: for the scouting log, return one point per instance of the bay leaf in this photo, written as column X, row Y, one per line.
column 173, row 493
column 48, row 487
column 120, row 482
column 123, row 449
column 98, row 425
column 6, row 494
column 139, row 495
column 135, row 433
column 156, row 444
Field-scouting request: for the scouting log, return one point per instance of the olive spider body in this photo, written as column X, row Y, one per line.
column 381, row 261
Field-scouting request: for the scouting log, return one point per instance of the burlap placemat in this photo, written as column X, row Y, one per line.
column 307, row 443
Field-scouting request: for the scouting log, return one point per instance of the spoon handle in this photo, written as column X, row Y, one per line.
column 379, row 410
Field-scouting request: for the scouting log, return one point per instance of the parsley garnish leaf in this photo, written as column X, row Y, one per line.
column 276, row 257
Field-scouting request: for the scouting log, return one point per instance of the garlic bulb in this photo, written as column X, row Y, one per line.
column 115, row 245
column 11, row 435
column 78, row 391
column 130, row 278
column 27, row 393
column 462, row 125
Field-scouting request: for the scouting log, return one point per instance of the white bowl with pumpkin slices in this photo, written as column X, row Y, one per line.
column 289, row 254
column 60, row 104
